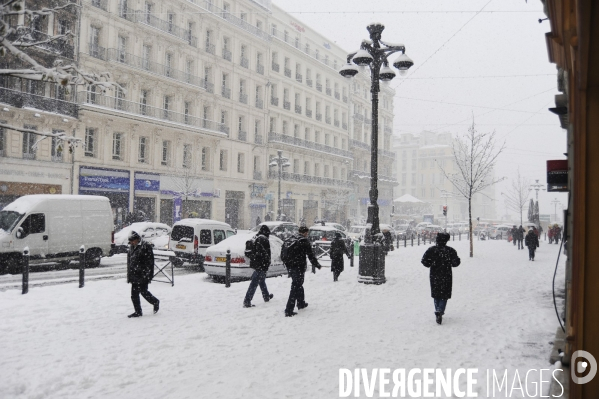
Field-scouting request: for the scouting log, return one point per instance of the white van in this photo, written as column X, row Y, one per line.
column 54, row 227
column 190, row 238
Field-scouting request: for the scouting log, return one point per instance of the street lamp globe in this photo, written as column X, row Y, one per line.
column 348, row 70
column 386, row 73
column 362, row 58
column 403, row 62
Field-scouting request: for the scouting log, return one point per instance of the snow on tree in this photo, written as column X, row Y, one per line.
column 516, row 196
column 18, row 44
column 475, row 156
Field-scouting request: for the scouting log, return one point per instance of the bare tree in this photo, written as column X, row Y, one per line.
column 187, row 185
column 16, row 43
column 517, row 195
column 475, row 156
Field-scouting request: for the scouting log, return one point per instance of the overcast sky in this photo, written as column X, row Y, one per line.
column 466, row 53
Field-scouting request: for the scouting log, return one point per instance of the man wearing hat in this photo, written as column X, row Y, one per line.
column 140, row 270
column 338, row 248
column 441, row 259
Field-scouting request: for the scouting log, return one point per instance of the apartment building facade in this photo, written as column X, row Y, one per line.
column 211, row 91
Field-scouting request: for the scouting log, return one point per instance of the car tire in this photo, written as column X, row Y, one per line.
column 93, row 257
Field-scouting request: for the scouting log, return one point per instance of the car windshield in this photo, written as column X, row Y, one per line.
column 9, row 219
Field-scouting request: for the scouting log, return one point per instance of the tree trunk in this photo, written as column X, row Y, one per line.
column 470, row 221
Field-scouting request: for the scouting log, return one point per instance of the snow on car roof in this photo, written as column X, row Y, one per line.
column 202, row 221
column 236, row 244
column 323, row 228
column 25, row 203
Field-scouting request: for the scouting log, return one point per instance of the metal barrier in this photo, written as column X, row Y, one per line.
column 171, row 262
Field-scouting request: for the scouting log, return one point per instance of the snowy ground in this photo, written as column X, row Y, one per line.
column 65, row 342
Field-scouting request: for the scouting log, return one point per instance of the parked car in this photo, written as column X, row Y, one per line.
column 500, row 232
column 191, row 237
column 216, row 257
column 283, row 230
column 422, row 226
column 156, row 234
column 431, row 231
column 321, row 237
column 54, row 227
column 405, row 231
column 356, row 232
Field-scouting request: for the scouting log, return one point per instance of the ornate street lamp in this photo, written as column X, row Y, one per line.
column 374, row 53
column 281, row 162
column 537, row 186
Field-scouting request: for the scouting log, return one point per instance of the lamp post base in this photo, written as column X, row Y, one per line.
column 372, row 264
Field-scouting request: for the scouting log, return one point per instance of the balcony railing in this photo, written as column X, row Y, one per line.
column 209, row 86
column 345, row 99
column 259, row 103
column 242, row 136
column 29, row 155
column 224, row 129
column 336, row 123
column 329, row 91
column 210, row 48
column 286, row 139
column 337, row 95
column 56, row 158
column 298, row 109
column 309, row 82
column 319, row 117
column 328, row 120
column 258, row 138
column 388, row 130
column 298, row 77
column 227, row 55
column 243, row 98
column 134, row 61
column 225, row 92
column 274, row 101
column 98, row 52
column 260, row 69
column 344, row 125
column 359, row 144
column 292, row 41
column 110, row 102
column 101, row 4
column 359, row 117
column 257, row 175
column 288, row 72
column 299, row 178
column 287, row 105
column 388, row 154
column 244, row 62
column 275, row 67
column 166, row 26
column 20, row 100
column 309, row 113
column 319, row 86
column 233, row 19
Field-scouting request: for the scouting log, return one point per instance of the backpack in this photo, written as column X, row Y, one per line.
column 250, row 248
column 287, row 250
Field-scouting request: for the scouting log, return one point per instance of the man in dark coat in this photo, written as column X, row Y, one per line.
column 520, row 237
column 514, row 233
column 441, row 259
column 140, row 270
column 338, row 248
column 297, row 269
column 532, row 242
column 260, row 262
column 258, row 221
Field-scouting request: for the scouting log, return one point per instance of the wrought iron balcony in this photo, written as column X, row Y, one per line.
column 166, row 26
column 209, row 86
column 287, row 105
column 227, row 55
column 319, row 117
column 274, row 101
column 296, row 141
column 260, row 69
column 319, row 86
column 259, row 103
column 257, row 175
column 336, row 123
column 244, row 62
column 298, row 109
column 225, row 92
column 21, row 100
column 210, row 48
column 101, row 4
column 337, row 95
column 329, row 91
column 300, row 178
column 345, row 99
column 258, row 138
column 309, row 113
column 298, row 77
column 288, row 72
column 328, row 120
column 309, row 82
column 242, row 136
column 359, row 144
column 243, row 98
column 275, row 67
column 98, row 52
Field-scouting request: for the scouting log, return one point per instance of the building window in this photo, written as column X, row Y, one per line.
column 166, row 153
column 28, row 143
column 240, row 162
column 90, row 142
column 187, row 156
column 326, row 171
column 257, row 163
column 117, row 146
column 316, row 169
column 222, row 164
column 306, row 168
column 186, row 108
column 205, row 159
column 296, row 166
column 143, row 150
column 143, row 101
column 167, row 107
column 2, row 141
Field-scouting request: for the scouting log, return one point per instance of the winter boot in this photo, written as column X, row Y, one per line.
column 135, row 315
column 248, row 305
column 439, row 317
column 268, row 298
column 290, row 314
column 156, row 307
column 302, row 306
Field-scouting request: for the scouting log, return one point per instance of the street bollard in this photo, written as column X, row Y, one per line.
column 418, row 239
column 81, row 266
column 405, row 241
column 397, row 244
column 351, row 260
column 228, row 270
column 412, row 239
column 460, row 236
column 25, row 270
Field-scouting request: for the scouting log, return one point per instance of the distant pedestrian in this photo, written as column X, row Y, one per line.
column 520, row 237
column 441, row 259
column 532, row 242
column 140, row 270
column 298, row 250
column 260, row 262
column 514, row 233
column 338, row 248
column 267, row 218
column 258, row 221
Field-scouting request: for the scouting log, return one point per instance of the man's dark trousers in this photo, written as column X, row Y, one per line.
column 297, row 290
column 141, row 288
column 258, row 278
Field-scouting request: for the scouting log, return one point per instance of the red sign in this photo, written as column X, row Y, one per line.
column 557, row 175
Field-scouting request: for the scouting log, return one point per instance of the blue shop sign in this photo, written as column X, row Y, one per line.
column 100, row 178
column 147, row 182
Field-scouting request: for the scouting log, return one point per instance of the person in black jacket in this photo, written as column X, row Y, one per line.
column 532, row 242
column 441, row 259
column 260, row 262
column 140, row 270
column 297, row 268
column 520, row 237
column 338, row 248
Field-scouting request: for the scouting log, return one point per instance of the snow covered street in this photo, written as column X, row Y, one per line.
column 64, row 342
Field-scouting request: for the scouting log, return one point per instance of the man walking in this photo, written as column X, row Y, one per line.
column 520, row 237
column 441, row 259
column 140, row 270
column 260, row 262
column 299, row 248
column 338, row 248
column 532, row 242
